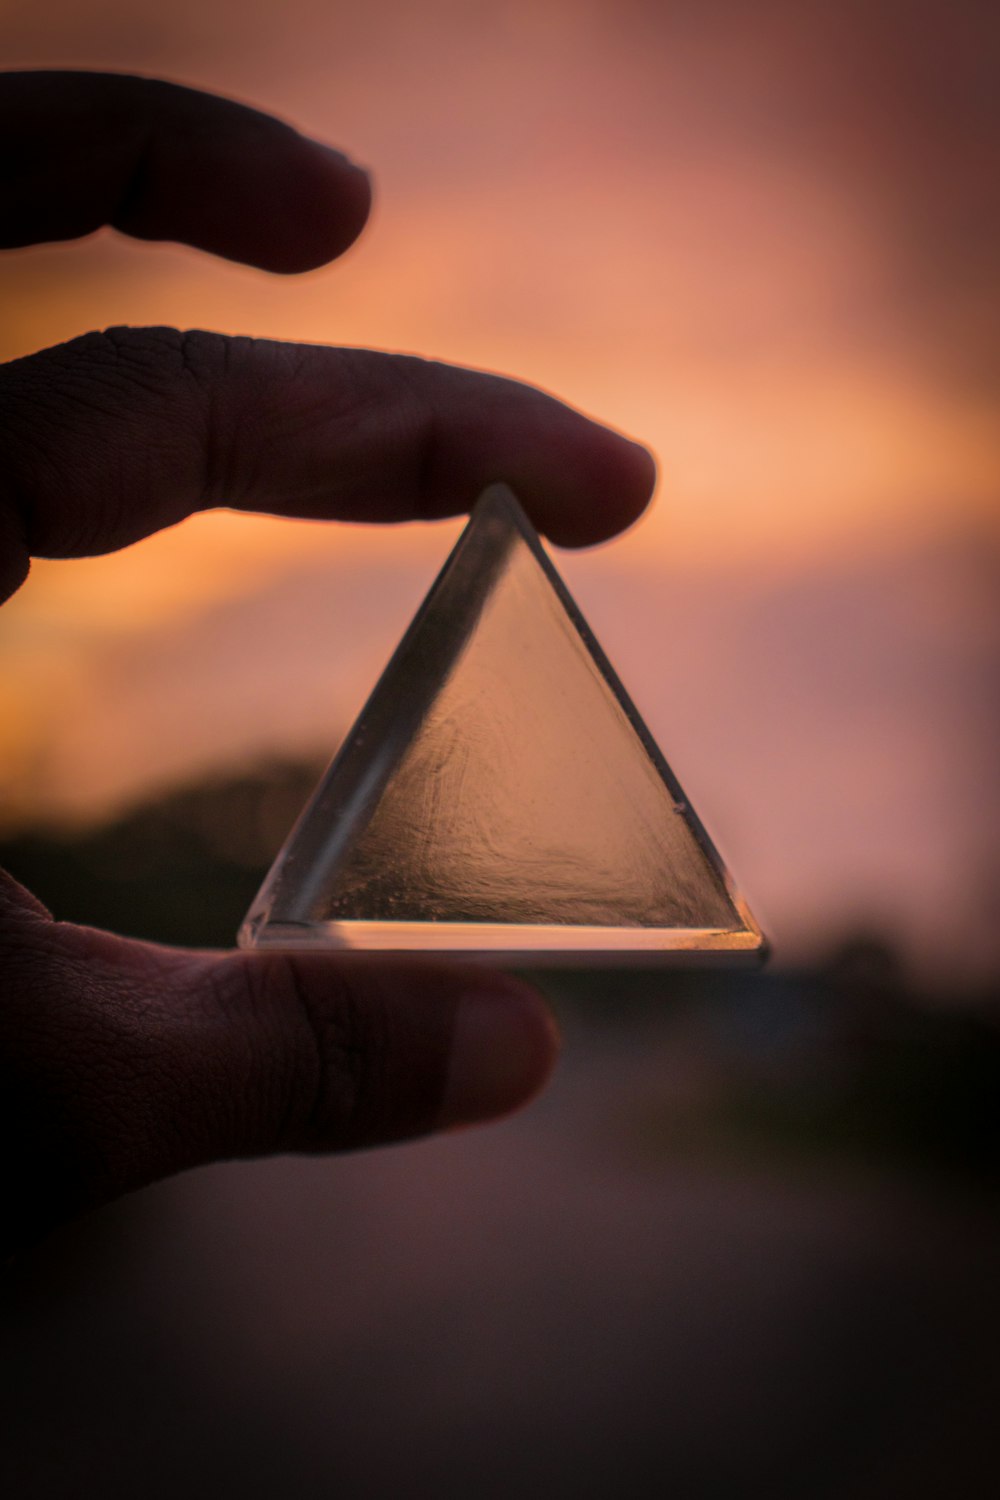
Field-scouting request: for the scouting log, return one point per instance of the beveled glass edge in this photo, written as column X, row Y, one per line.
column 496, row 501
column 517, row 943
column 500, row 496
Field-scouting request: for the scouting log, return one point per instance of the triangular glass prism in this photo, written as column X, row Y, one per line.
column 499, row 795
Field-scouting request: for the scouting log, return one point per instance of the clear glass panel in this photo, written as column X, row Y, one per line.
column 499, row 792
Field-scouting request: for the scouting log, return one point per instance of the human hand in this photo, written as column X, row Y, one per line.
column 122, row 1062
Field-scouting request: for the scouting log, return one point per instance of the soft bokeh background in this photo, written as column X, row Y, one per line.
column 749, row 1233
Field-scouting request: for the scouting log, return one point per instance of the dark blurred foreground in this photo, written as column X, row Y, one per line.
column 746, row 1243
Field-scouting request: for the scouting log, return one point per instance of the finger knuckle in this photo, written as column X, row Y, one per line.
column 79, row 409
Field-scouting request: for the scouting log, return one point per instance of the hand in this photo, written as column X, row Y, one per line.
column 122, row 1062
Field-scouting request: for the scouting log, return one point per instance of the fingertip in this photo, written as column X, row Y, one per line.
column 615, row 479
column 229, row 179
column 505, row 1045
column 644, row 472
column 321, row 201
column 637, row 471
column 336, row 202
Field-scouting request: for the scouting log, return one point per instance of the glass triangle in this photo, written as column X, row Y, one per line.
column 499, row 794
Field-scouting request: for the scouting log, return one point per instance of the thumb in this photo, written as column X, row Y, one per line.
column 123, row 1062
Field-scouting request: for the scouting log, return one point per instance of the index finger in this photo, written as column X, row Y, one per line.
column 116, row 435
column 163, row 162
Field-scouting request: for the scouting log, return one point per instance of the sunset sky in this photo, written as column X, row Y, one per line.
column 761, row 238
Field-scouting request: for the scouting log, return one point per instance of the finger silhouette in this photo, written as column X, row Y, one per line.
column 124, row 1062
column 115, row 435
column 162, row 162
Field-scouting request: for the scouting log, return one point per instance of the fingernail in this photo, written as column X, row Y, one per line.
column 645, row 461
column 342, row 160
column 504, row 1048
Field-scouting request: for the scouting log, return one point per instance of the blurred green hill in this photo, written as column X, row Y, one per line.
column 179, row 869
